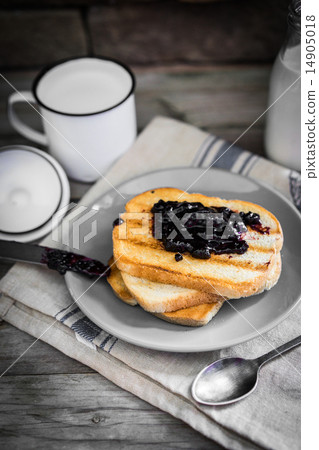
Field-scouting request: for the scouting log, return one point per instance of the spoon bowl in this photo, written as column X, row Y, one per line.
column 225, row 381
column 228, row 380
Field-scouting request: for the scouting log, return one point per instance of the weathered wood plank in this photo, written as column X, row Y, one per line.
column 67, row 3
column 253, row 140
column 86, row 407
column 221, row 100
column 76, row 410
column 40, row 359
column 171, row 32
column 36, row 37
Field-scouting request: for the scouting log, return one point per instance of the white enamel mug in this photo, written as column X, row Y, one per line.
column 88, row 113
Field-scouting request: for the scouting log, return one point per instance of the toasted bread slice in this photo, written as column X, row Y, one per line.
column 231, row 276
column 273, row 276
column 193, row 317
column 116, row 281
column 152, row 296
column 158, row 297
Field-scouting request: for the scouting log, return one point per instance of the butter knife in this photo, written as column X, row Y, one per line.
column 59, row 260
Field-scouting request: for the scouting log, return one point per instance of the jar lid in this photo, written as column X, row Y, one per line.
column 33, row 187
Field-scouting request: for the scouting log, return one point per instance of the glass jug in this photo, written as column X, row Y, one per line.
column 283, row 124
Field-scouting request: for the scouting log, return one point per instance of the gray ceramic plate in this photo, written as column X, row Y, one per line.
column 257, row 314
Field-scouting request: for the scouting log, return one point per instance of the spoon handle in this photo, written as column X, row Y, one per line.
column 278, row 351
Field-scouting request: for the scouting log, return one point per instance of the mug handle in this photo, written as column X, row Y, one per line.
column 18, row 125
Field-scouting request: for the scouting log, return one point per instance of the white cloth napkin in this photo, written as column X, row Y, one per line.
column 36, row 300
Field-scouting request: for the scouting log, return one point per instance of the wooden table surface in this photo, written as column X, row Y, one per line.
column 47, row 399
column 50, row 401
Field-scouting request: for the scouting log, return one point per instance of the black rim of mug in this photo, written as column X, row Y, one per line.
column 49, row 67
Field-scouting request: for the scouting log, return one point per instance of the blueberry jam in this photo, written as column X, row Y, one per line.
column 62, row 261
column 117, row 222
column 178, row 257
column 192, row 227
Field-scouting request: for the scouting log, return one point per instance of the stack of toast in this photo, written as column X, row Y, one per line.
column 186, row 290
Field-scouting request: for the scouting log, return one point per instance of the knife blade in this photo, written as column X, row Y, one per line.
column 53, row 258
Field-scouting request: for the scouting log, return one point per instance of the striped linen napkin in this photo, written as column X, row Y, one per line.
column 36, row 300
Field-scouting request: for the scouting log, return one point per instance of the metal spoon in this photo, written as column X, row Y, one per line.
column 231, row 379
